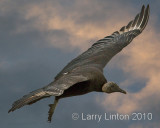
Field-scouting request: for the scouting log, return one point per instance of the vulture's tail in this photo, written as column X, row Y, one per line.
column 31, row 98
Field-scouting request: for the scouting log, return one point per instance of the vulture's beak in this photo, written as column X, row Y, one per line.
column 122, row 91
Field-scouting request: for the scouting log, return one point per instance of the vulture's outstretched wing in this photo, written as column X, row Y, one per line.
column 103, row 50
column 79, row 76
column 66, row 81
column 82, row 75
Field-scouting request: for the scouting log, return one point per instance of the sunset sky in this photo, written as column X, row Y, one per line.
column 38, row 38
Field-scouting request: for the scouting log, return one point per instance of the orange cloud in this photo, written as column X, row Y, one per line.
column 46, row 17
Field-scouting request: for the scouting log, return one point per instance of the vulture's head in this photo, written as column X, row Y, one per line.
column 111, row 87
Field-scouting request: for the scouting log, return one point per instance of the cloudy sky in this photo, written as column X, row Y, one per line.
column 38, row 38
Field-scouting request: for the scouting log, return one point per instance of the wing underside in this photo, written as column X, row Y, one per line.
column 65, row 82
column 100, row 53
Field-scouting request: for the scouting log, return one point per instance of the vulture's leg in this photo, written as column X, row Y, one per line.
column 52, row 108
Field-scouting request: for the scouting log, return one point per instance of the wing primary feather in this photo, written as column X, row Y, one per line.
column 141, row 15
column 129, row 25
column 146, row 17
column 135, row 20
column 122, row 29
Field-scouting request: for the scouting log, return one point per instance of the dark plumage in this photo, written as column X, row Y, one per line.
column 84, row 74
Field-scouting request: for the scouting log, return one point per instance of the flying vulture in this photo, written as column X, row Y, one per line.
column 84, row 74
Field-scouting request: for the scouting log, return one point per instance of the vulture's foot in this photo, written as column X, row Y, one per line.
column 51, row 109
